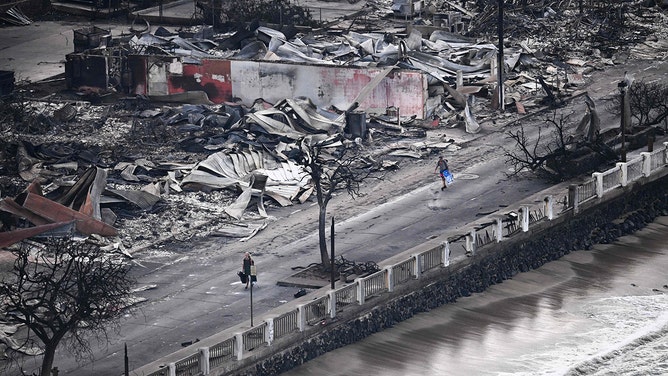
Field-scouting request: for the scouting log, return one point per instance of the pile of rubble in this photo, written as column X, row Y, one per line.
column 138, row 171
column 133, row 174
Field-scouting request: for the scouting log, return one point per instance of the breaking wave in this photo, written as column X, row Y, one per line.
column 644, row 352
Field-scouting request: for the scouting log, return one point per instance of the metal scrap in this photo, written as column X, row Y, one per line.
column 15, row 16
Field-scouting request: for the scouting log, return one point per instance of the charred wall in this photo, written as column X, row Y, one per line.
column 326, row 85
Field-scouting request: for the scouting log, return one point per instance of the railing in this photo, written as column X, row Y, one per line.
column 431, row 259
column 612, row 179
column 657, row 159
column 586, row 190
column 564, row 203
column 510, row 224
column 634, row 169
column 286, row 323
column 222, row 352
column 316, row 310
column 374, row 284
column 189, row 366
column 536, row 213
column 345, row 295
column 254, row 337
column 405, row 270
column 486, row 233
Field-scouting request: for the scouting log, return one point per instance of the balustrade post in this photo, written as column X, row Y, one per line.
column 646, row 163
column 445, row 253
column 599, row 183
column 360, row 290
column 301, row 317
column 332, row 304
column 549, row 207
column 171, row 368
column 524, row 218
column 269, row 331
column 389, row 278
column 239, row 343
column 624, row 168
column 417, row 266
column 470, row 243
column 499, row 229
column 665, row 153
column 204, row 360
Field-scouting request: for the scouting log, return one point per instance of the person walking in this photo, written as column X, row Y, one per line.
column 248, row 262
column 444, row 171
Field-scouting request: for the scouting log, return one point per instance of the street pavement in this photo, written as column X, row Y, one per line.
column 37, row 51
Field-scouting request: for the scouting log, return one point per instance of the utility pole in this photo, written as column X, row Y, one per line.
column 331, row 264
column 253, row 273
column 127, row 364
column 500, row 64
column 622, row 91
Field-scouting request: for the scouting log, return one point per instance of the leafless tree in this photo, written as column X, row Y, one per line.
column 249, row 12
column 65, row 290
column 551, row 156
column 534, row 154
column 331, row 169
column 648, row 103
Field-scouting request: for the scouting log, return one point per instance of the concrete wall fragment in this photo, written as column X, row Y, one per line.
column 325, row 85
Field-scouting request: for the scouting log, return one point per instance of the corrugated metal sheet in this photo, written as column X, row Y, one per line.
column 8, row 238
column 56, row 212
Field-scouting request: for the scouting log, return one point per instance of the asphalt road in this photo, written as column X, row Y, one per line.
column 37, row 51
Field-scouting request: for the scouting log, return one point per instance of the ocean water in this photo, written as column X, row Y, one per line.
column 598, row 312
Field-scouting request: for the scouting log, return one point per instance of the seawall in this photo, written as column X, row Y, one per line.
column 601, row 222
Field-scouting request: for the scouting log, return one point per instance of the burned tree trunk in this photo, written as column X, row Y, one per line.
column 331, row 169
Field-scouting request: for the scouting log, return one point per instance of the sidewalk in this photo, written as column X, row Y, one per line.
column 37, row 51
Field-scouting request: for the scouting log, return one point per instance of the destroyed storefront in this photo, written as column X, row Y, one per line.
column 371, row 71
column 161, row 77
